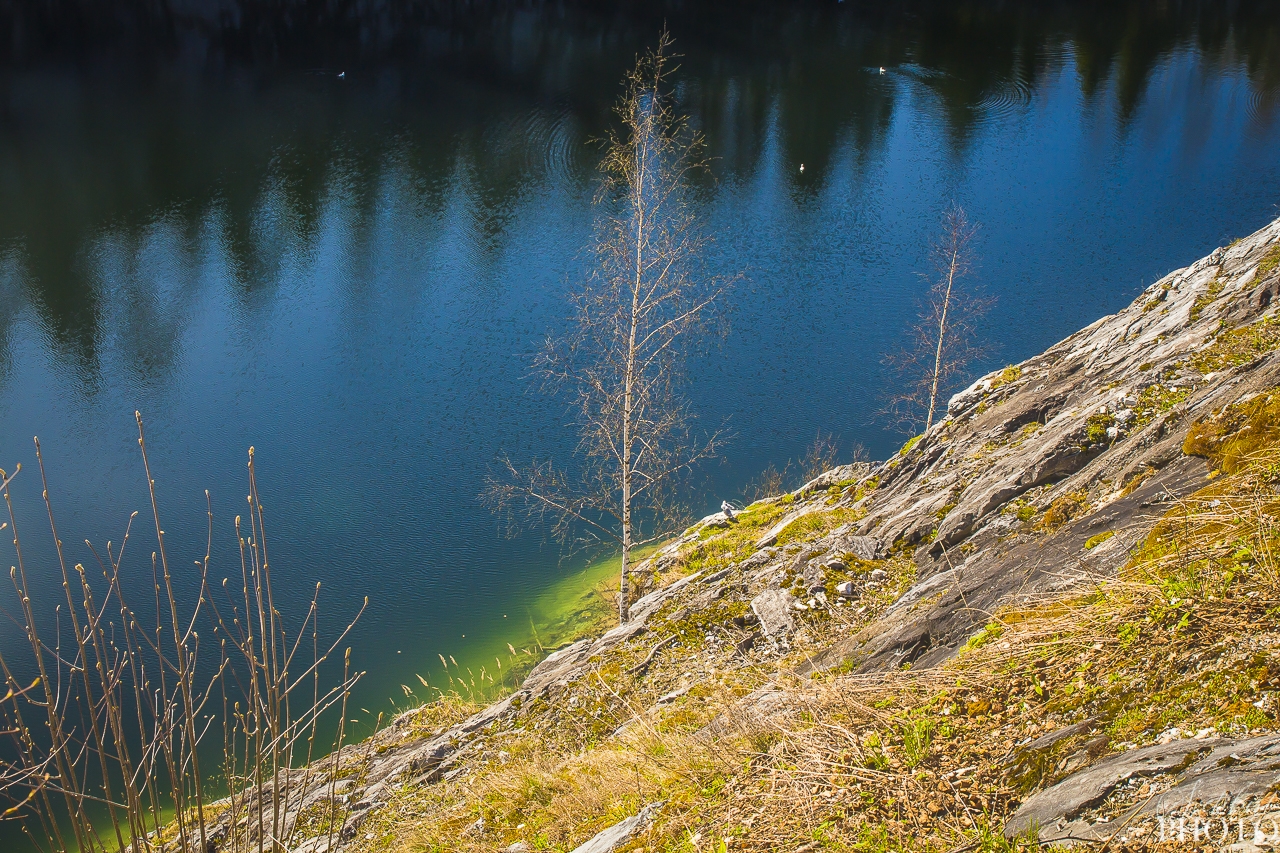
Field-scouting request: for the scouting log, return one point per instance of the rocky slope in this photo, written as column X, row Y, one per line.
column 1091, row 430
column 1044, row 480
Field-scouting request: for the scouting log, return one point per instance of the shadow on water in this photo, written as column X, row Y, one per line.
column 116, row 111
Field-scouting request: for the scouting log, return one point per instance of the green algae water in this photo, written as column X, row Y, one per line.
column 579, row 604
column 339, row 237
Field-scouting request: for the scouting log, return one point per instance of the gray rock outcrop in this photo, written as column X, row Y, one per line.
column 606, row 841
column 1227, row 773
column 773, row 608
column 1032, row 434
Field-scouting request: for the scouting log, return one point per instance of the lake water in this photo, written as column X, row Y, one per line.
column 200, row 219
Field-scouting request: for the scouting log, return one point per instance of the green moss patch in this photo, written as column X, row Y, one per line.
column 1094, row 541
column 1063, row 509
column 906, row 448
column 1131, row 485
column 717, row 547
column 1207, row 298
column 1096, row 427
column 1009, row 374
column 1156, row 400
column 1234, row 347
column 1269, row 261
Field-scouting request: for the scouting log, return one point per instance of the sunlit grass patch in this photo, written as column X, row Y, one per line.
column 816, row 524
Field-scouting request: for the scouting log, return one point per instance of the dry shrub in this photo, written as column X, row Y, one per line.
column 114, row 747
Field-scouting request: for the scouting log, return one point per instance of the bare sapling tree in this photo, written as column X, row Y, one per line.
column 943, row 341
column 621, row 362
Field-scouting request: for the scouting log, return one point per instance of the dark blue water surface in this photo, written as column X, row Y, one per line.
column 200, row 220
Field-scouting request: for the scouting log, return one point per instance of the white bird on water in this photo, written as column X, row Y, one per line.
column 342, row 75
column 802, row 168
column 881, row 69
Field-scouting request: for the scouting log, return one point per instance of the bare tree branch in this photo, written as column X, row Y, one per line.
column 821, row 454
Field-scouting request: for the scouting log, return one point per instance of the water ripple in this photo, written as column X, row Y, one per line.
column 541, row 143
column 561, row 144
column 1011, row 99
column 1261, row 105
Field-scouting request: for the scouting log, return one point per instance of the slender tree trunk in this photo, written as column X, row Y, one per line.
column 942, row 333
column 623, row 591
column 627, row 404
column 628, row 401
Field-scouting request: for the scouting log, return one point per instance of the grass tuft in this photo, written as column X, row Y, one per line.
column 1235, row 347
column 1234, row 436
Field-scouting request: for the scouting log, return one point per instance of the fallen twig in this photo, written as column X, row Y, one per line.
column 644, row 664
